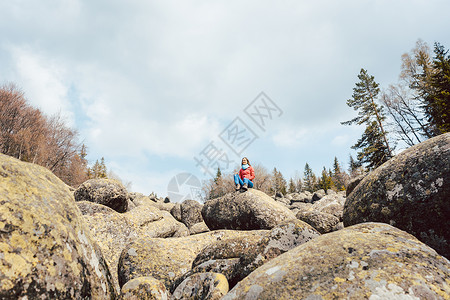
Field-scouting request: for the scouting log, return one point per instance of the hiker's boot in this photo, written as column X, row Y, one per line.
column 245, row 187
column 238, row 187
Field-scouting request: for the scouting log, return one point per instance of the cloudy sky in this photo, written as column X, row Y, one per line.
column 154, row 85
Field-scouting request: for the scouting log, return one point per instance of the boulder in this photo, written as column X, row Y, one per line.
column 89, row 208
column 46, row 250
column 321, row 221
column 176, row 211
column 281, row 239
column 227, row 248
column 318, row 195
column 353, row 183
column 208, row 286
column 331, row 204
column 249, row 210
column 411, row 192
column 113, row 231
column 191, row 212
column 253, row 252
column 168, row 259
column 305, row 197
column 365, row 261
column 144, row 288
column 223, row 266
column 107, row 192
column 301, row 206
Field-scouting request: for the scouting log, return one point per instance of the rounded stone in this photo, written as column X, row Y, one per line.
column 208, row 286
column 250, row 210
column 144, row 288
column 46, row 249
column 411, row 192
column 370, row 260
column 107, row 192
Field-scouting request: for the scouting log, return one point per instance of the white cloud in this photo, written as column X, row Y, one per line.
column 159, row 79
column 43, row 82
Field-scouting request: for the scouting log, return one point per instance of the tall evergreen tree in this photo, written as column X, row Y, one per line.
column 338, row 175
column 373, row 151
column 437, row 101
column 217, row 187
column 309, row 179
column 371, row 114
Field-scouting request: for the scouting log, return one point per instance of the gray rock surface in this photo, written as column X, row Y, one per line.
column 113, row 231
column 365, row 261
column 191, row 212
column 410, row 191
column 353, row 183
column 107, row 192
column 144, row 288
column 208, row 286
column 46, row 250
column 321, row 221
column 170, row 258
column 250, row 210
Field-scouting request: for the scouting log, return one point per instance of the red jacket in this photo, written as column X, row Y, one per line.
column 247, row 173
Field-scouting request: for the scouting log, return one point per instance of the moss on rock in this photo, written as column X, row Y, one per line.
column 370, row 260
column 46, row 250
column 411, row 192
column 250, row 210
column 170, row 258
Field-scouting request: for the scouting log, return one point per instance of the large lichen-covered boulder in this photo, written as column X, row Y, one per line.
column 364, row 261
column 411, row 192
column 207, row 286
column 147, row 288
column 168, row 259
column 280, row 239
column 113, row 231
column 253, row 252
column 46, row 250
column 250, row 210
column 107, row 192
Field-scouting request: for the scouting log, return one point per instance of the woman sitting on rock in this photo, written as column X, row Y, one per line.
column 245, row 176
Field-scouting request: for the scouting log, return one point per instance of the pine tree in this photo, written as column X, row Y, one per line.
column 309, row 179
column 373, row 150
column 371, row 114
column 437, row 101
column 217, row 186
column 338, row 176
column 98, row 170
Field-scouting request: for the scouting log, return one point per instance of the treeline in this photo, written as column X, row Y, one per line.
column 27, row 134
column 406, row 113
column 335, row 178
